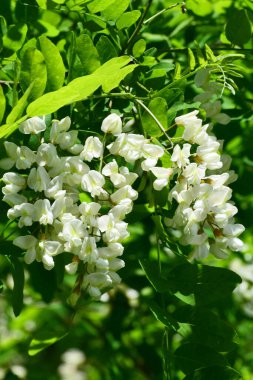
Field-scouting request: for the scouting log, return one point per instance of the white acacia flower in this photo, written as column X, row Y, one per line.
column 189, row 117
column 93, row 182
column 59, row 127
column 13, row 199
column 74, row 169
column 38, row 179
column 54, row 189
column 181, row 155
column 88, row 252
column 47, row 155
column 151, row 153
column 93, row 148
column 112, row 229
column 25, row 212
column 33, row 126
column 48, row 249
column 28, row 243
column 112, row 124
column 163, row 177
column 124, row 192
column 43, row 212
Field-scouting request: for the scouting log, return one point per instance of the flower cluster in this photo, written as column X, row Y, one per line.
column 45, row 190
column 204, row 214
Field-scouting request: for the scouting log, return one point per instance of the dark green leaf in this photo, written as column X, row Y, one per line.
column 238, row 28
column 214, row 373
column 162, row 316
column 158, row 107
column 154, row 276
column 214, row 284
column 19, row 108
column 190, row 357
column 19, row 280
column 183, row 278
column 105, row 49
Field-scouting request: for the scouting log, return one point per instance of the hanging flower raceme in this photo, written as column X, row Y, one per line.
column 43, row 192
column 204, row 212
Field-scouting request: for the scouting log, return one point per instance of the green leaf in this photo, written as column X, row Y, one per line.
column 191, row 59
column 154, row 276
column 200, row 7
column 87, row 54
column 183, row 278
column 191, row 356
column 200, row 56
column 19, row 108
column 14, row 38
column 46, row 339
column 238, row 35
column 214, row 373
column 54, row 64
column 177, row 73
column 19, row 280
column 33, row 69
column 171, row 95
column 2, row 103
column 99, row 5
column 158, row 107
column 108, row 76
column 162, row 316
column 128, row 19
column 214, row 284
column 105, row 49
column 139, row 48
column 115, row 10
column 209, row 54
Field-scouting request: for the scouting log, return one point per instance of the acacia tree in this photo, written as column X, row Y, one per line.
column 118, row 225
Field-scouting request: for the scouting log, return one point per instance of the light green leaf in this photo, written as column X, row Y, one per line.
column 112, row 80
column 54, row 64
column 19, row 108
column 128, row 19
column 108, row 76
column 158, row 107
column 87, row 54
column 191, row 59
column 200, row 7
column 139, row 48
column 115, row 10
column 33, row 69
column 2, row 104
column 242, row 34
column 105, row 49
column 38, row 345
column 15, row 37
column 42, row 3
column 99, row 5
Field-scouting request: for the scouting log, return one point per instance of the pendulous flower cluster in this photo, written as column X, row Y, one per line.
column 203, row 210
column 69, row 198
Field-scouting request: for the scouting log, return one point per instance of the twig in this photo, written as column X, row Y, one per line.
column 155, row 119
column 138, row 28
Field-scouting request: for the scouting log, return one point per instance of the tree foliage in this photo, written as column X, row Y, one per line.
column 173, row 316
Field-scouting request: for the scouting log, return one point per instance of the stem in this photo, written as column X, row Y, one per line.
column 138, row 28
column 155, row 119
column 159, row 13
